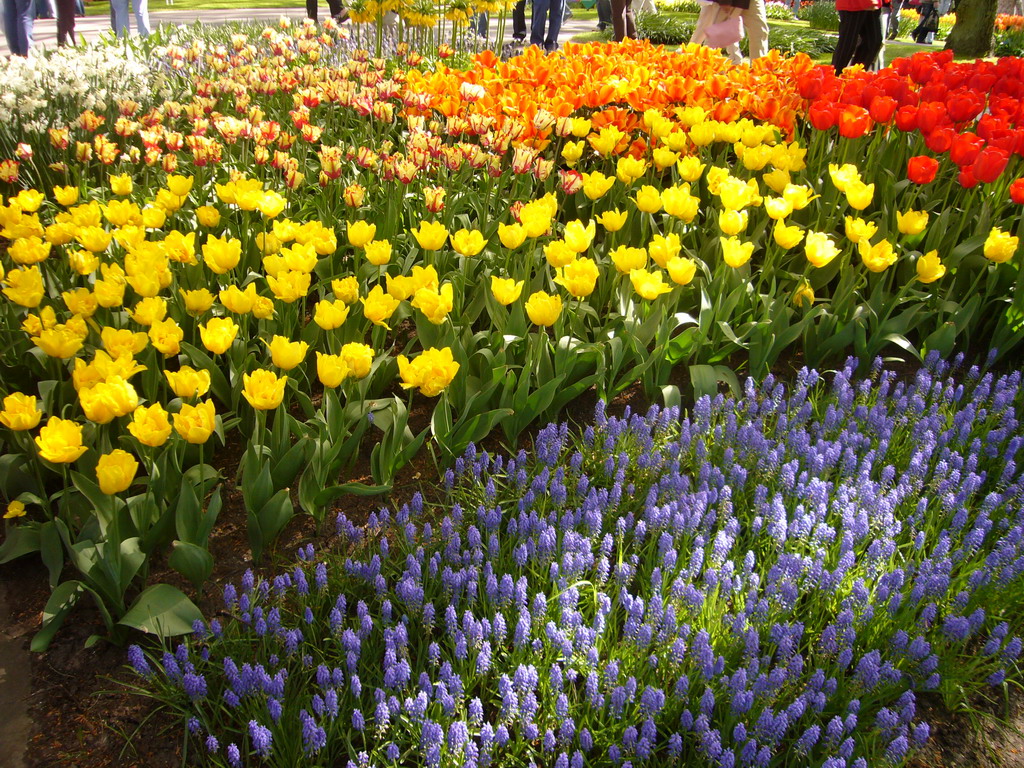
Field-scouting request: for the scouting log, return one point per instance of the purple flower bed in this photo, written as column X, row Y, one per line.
column 769, row 581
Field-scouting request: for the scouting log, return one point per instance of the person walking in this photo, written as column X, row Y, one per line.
column 860, row 34
column 604, row 15
column 928, row 25
column 66, row 22
column 894, row 19
column 546, row 23
column 19, row 18
column 755, row 23
column 119, row 14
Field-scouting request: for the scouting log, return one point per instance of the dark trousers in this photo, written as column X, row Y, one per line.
column 311, row 8
column 860, row 39
column 894, row 19
column 66, row 22
column 622, row 20
column 604, row 13
column 519, row 20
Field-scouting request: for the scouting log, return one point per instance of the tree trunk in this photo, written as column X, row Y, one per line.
column 972, row 33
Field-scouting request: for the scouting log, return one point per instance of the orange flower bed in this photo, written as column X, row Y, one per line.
column 606, row 77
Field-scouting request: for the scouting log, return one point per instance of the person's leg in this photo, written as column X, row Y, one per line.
column 519, row 20
column 25, row 22
column 894, row 19
column 119, row 17
column 311, row 9
column 554, row 24
column 65, row 21
column 481, row 24
column 604, row 14
column 847, row 42
column 619, row 20
column 630, row 21
column 755, row 23
column 708, row 15
column 870, row 43
column 538, row 18
column 11, row 26
column 142, row 17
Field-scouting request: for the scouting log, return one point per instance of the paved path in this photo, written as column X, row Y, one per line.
column 91, row 27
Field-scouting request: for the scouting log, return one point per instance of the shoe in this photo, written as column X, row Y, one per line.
column 601, row 27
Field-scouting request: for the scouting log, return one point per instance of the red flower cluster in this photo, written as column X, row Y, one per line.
column 972, row 111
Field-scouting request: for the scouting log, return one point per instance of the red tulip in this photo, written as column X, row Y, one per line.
column 811, row 84
column 940, row 140
column 854, row 122
column 906, row 119
column 882, row 109
column 1017, row 191
column 990, row 163
column 931, row 115
column 922, row 169
column 964, row 106
column 965, row 148
column 934, row 92
column 967, row 179
column 822, row 116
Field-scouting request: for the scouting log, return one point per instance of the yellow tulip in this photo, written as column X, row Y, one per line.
column 166, row 336
column 195, row 423
column 287, row 354
column 468, row 242
column 629, row 169
column 331, row 370
column 360, row 233
column 150, row 425
column 431, row 372
column 1000, row 246
column 859, row 195
column 149, row 311
column 20, row 412
column 435, row 305
column 359, row 358
column 198, row 301
column 115, row 471
column 378, row 252
column 346, row 289
column 930, row 268
column 121, row 185
column 690, row 168
column 626, row 259
column 787, row 235
column 218, row 333
column 613, row 220
column 14, row 509
column 648, row 199
column 663, row 248
column 648, row 285
column 843, row 176
column 777, row 208
column 735, row 252
column 578, row 277
column 820, row 249
column 238, row 301
column 803, row 296
column 289, row 286
column 579, row 236
column 506, row 290
column 912, row 222
column 208, row 216
column 188, row 382
column 263, row 389
column 222, row 255
column 60, row 441
column 680, row 203
column 682, row 270
column 379, row 306
column 558, row 253
column 511, row 235
column 431, row 235
column 877, row 258
column 330, row 314
column 732, row 222
column 108, row 400
column 858, row 230
column 596, row 184
column 543, row 308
